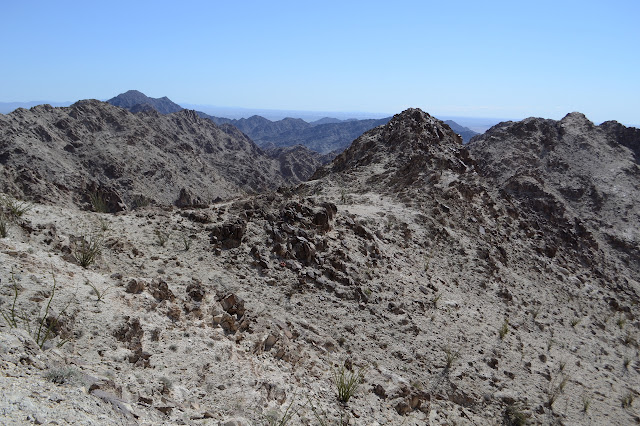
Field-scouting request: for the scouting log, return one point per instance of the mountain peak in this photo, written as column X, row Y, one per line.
column 131, row 100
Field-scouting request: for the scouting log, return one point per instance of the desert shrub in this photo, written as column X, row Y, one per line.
column 3, row 226
column 162, row 237
column 274, row 419
column 41, row 329
column 61, row 375
column 627, row 400
column 347, row 382
column 451, row 356
column 504, row 329
column 514, row 415
column 86, row 250
column 14, row 208
column 98, row 202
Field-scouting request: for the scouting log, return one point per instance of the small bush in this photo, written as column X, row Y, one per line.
column 98, row 202
column 86, row 250
column 347, row 382
column 186, row 241
column 450, row 357
column 3, row 226
column 627, row 400
column 61, row 376
column 161, row 237
column 41, row 329
column 504, row 329
column 16, row 209
column 514, row 415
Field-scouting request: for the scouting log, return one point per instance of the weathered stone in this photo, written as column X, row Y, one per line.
column 135, row 286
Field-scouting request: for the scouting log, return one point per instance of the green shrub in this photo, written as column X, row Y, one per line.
column 3, row 226
column 98, row 202
column 15, row 208
column 62, row 375
column 86, row 250
column 347, row 382
column 514, row 415
column 504, row 329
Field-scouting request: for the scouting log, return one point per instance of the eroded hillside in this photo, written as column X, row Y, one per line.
column 460, row 299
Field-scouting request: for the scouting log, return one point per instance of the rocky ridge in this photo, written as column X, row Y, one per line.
column 64, row 155
column 407, row 258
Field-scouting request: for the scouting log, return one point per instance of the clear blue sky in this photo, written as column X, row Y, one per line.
column 469, row 58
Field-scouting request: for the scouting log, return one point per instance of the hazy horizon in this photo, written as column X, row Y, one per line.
column 458, row 58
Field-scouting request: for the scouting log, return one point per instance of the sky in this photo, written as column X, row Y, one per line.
column 507, row 59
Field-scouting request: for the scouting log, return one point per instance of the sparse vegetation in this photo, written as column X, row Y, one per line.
column 86, row 250
column 322, row 416
column 98, row 202
column 555, row 390
column 451, row 356
column 627, row 400
column 41, row 329
column 574, row 322
column 15, row 208
column 586, row 403
column 626, row 361
column 96, row 292
column 162, row 237
column 186, row 241
column 514, row 415
column 347, row 382
column 436, row 299
column 504, row 329
column 61, row 375
column 621, row 321
column 3, row 226
column 286, row 417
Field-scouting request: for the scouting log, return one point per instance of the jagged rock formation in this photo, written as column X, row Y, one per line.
column 472, row 291
column 136, row 101
column 65, row 154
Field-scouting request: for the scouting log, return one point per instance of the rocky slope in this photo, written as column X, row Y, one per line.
column 406, row 259
column 582, row 175
column 64, row 155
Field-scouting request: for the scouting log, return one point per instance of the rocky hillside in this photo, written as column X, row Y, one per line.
column 64, row 155
column 409, row 266
column 136, row 101
column 583, row 175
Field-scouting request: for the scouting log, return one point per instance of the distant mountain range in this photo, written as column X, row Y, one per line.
column 324, row 136
column 327, row 136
